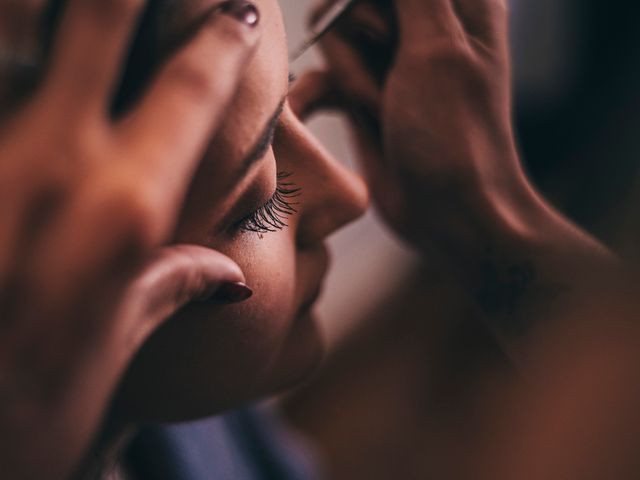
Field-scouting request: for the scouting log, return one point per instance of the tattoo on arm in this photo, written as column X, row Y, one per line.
column 512, row 296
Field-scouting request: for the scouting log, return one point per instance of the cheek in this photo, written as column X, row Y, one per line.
column 269, row 264
column 210, row 358
column 240, row 344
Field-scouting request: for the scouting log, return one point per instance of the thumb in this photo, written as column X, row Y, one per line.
column 176, row 276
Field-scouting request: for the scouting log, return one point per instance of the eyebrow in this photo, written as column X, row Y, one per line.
column 262, row 144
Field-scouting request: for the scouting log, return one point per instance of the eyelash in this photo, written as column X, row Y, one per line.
column 271, row 217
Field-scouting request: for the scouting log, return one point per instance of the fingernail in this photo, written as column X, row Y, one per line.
column 243, row 11
column 231, row 293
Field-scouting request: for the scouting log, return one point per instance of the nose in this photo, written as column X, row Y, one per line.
column 332, row 195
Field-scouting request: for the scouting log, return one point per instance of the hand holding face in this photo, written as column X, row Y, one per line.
column 434, row 128
column 446, row 107
column 86, row 202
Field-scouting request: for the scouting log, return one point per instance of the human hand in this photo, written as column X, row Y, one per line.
column 86, row 202
column 433, row 128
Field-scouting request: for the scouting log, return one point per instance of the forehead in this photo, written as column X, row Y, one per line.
column 263, row 86
column 177, row 16
column 261, row 89
column 268, row 69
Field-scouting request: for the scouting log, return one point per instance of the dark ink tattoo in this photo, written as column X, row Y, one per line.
column 512, row 296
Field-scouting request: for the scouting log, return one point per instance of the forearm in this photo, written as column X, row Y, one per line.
column 528, row 267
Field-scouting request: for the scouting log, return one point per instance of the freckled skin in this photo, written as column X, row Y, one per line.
column 210, row 357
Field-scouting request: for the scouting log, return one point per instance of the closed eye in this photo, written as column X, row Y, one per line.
column 272, row 216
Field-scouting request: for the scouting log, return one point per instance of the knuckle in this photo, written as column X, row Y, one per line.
column 192, row 78
column 444, row 51
column 457, row 64
column 140, row 220
column 451, row 54
column 132, row 213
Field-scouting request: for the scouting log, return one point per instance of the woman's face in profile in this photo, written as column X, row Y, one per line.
column 211, row 357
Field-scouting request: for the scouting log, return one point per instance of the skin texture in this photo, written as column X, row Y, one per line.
column 210, row 358
column 436, row 141
column 84, row 274
column 135, row 173
column 435, row 137
column 442, row 167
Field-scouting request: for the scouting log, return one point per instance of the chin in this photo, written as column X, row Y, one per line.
column 300, row 358
column 183, row 374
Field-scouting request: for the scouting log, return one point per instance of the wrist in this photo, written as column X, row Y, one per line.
column 520, row 260
column 536, row 268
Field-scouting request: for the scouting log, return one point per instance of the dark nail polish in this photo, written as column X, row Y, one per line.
column 243, row 11
column 231, row 293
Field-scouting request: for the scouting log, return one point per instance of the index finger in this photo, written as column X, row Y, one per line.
column 173, row 123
